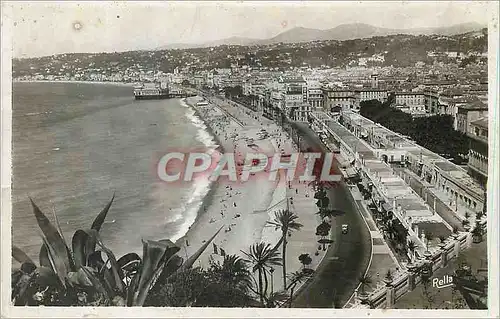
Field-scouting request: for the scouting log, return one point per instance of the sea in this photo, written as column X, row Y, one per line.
column 74, row 145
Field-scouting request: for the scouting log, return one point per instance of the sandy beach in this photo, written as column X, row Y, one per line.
column 243, row 209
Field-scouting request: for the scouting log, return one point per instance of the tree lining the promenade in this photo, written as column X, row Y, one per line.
column 435, row 132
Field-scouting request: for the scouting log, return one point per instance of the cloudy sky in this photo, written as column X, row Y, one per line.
column 45, row 28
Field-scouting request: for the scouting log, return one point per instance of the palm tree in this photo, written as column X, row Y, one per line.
column 364, row 281
column 295, row 279
column 275, row 299
column 286, row 221
column 411, row 246
column 326, row 212
column 233, row 271
column 262, row 256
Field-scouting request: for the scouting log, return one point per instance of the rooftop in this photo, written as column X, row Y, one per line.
column 454, row 172
column 482, row 122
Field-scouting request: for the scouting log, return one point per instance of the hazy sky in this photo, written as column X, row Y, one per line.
column 45, row 28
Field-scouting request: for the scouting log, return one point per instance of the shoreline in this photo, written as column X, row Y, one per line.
column 131, row 84
column 207, row 200
column 242, row 209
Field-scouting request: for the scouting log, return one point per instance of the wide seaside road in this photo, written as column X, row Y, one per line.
column 346, row 260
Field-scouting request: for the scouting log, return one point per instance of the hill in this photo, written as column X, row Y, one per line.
column 340, row 33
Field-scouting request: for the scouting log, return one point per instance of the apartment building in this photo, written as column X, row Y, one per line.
column 338, row 97
column 314, row 94
column 410, row 102
column 468, row 111
column 478, row 150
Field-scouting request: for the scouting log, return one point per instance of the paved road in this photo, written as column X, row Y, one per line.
column 347, row 258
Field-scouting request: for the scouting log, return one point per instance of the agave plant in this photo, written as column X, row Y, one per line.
column 119, row 282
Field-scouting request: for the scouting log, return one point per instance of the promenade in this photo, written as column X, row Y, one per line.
column 346, row 259
column 303, row 241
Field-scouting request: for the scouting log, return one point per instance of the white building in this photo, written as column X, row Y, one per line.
column 314, row 94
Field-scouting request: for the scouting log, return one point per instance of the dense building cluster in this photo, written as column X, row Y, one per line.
column 419, row 75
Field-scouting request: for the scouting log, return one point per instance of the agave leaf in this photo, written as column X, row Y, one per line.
column 132, row 288
column 20, row 255
column 116, row 271
column 54, row 241
column 129, row 262
column 78, row 244
column 156, row 254
column 57, row 223
column 172, row 266
column 56, row 264
column 83, row 244
column 44, row 257
column 143, row 293
column 99, row 220
column 95, row 260
column 79, row 278
column 108, row 281
column 191, row 260
column 95, row 282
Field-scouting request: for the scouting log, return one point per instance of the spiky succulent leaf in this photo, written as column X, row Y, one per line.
column 57, row 263
column 132, row 288
column 78, row 244
column 20, row 255
column 79, row 278
column 55, row 243
column 95, row 282
column 58, row 226
column 95, row 260
column 155, row 255
column 99, row 220
column 172, row 266
column 83, row 244
column 116, row 271
column 129, row 262
column 191, row 260
column 44, row 256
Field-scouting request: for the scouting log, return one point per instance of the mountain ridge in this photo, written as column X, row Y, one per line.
column 341, row 32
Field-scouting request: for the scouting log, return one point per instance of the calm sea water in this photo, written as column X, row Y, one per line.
column 76, row 144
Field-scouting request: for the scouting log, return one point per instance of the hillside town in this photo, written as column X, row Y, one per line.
column 407, row 117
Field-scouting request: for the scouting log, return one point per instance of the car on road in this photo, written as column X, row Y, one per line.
column 345, row 228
